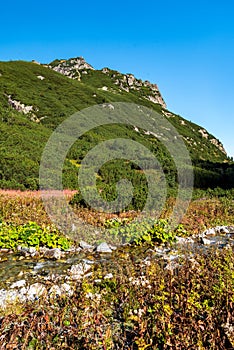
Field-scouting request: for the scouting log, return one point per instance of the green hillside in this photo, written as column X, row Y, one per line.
column 34, row 99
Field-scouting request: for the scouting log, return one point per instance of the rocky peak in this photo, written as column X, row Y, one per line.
column 72, row 68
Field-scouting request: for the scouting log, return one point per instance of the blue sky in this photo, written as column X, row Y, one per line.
column 187, row 48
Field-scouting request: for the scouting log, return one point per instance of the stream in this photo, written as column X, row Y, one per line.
column 26, row 275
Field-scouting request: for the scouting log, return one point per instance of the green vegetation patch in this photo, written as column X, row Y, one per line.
column 149, row 231
column 31, row 235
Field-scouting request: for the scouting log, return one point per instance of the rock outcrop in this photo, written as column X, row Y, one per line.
column 128, row 82
column 72, row 68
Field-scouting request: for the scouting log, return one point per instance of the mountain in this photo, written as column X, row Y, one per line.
column 35, row 98
column 77, row 68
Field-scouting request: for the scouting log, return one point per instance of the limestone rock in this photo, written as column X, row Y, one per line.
column 205, row 241
column 55, row 290
column 184, row 241
column 71, row 67
column 35, row 291
column 53, row 253
column 222, row 229
column 18, row 284
column 21, row 107
column 86, row 246
column 210, row 232
column 66, row 289
column 40, row 77
column 103, row 248
column 79, row 270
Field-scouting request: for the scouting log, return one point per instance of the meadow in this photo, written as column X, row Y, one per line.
column 142, row 305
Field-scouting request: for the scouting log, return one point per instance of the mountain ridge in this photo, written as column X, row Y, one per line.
column 74, row 68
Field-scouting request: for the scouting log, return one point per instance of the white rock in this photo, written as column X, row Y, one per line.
column 103, row 248
column 210, row 232
column 93, row 296
column 171, row 266
column 35, row 291
column 55, row 290
column 39, row 265
column 161, row 251
column 23, row 292
column 182, row 240
column 32, row 250
column 18, row 284
column 86, row 246
column 108, row 276
column 205, row 241
column 79, row 270
column 66, row 289
column 98, row 280
column 110, row 106
column 221, row 229
column 172, row 257
column 53, row 253
column 7, row 297
column 21, row 107
column 113, row 247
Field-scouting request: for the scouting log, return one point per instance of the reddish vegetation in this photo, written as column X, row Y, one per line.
column 31, row 194
column 23, row 206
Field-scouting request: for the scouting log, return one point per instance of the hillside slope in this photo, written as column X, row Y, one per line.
column 35, row 98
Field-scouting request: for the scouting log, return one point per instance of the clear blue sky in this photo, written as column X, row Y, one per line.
column 187, row 48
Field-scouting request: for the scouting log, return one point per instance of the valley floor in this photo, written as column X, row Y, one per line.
column 129, row 300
